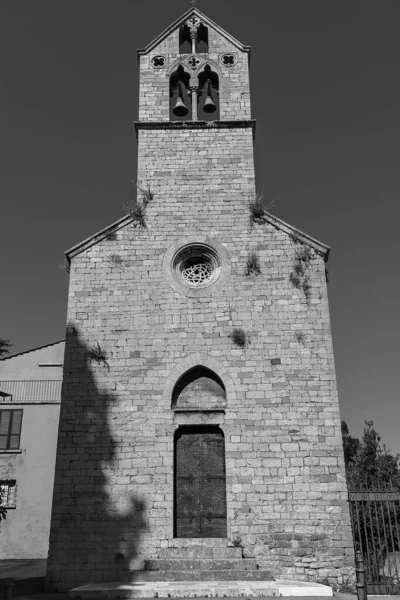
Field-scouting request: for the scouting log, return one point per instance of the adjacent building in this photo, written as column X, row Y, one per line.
column 30, row 394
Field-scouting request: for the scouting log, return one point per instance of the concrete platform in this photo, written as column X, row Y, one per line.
column 201, row 589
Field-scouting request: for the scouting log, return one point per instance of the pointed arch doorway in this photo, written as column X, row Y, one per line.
column 200, row 483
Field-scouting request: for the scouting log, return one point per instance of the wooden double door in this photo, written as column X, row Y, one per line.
column 200, row 483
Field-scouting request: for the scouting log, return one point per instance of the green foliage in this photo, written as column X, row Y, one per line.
column 258, row 209
column 65, row 266
column 300, row 337
column 369, row 459
column 136, row 207
column 4, row 347
column 98, row 355
column 111, row 236
column 327, row 275
column 252, row 264
column 371, row 468
column 302, row 260
column 239, row 337
column 116, row 259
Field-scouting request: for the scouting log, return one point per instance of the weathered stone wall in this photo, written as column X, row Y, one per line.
column 286, row 493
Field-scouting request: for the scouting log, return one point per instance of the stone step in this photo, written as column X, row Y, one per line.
column 184, row 589
column 195, row 575
column 208, row 542
column 200, row 564
column 200, row 552
column 188, row 589
column 295, row 590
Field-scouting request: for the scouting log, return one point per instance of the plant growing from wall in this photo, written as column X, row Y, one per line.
column 111, row 236
column 258, row 209
column 239, row 337
column 299, row 277
column 5, row 345
column 327, row 275
column 98, row 355
column 136, row 207
column 252, row 264
column 300, row 337
column 65, row 266
column 116, row 259
column 3, row 513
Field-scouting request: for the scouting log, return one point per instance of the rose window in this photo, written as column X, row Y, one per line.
column 196, row 265
column 197, row 273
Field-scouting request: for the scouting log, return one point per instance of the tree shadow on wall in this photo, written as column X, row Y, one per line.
column 97, row 521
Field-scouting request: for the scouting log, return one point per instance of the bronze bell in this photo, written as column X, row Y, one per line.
column 180, row 109
column 209, row 105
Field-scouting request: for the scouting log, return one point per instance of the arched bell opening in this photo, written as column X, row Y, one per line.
column 208, row 96
column 185, row 43
column 179, row 94
column 199, row 389
column 202, row 39
column 199, row 483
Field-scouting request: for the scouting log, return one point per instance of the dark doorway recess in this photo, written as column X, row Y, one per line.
column 200, row 483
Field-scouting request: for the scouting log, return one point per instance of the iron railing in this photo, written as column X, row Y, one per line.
column 375, row 519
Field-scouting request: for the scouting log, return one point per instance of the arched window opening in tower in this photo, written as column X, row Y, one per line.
column 179, row 94
column 185, row 44
column 208, row 96
column 202, row 39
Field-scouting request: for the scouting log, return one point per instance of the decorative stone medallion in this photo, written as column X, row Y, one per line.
column 159, row 61
column 193, row 62
column 229, row 60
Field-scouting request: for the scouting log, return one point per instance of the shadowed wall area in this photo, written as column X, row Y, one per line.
column 92, row 519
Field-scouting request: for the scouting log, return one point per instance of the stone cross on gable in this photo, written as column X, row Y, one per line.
column 193, row 2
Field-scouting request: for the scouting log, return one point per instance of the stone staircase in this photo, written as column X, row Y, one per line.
column 201, row 563
column 205, row 570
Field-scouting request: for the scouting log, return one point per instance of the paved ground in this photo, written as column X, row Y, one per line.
column 23, row 569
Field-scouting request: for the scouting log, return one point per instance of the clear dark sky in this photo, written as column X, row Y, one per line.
column 326, row 96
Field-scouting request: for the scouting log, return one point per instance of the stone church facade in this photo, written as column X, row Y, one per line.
column 199, row 403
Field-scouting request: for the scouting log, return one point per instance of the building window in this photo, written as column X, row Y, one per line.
column 8, row 493
column 196, row 265
column 10, row 429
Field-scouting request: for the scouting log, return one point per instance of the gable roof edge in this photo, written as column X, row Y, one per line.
column 31, row 350
column 96, row 237
column 304, row 237
column 184, row 17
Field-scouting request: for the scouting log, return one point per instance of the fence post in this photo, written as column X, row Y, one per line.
column 8, row 586
column 360, row 573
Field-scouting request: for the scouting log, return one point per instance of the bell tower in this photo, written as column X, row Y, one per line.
column 195, row 133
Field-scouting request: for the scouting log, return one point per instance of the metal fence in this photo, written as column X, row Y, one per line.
column 375, row 519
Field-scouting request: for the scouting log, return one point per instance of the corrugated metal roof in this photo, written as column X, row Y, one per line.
column 31, row 392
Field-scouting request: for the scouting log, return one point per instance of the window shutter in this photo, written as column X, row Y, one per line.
column 4, row 425
column 16, row 422
column 15, row 432
column 4, row 421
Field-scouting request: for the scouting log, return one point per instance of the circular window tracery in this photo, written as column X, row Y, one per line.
column 196, row 265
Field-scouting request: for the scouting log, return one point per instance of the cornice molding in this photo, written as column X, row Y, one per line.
column 168, row 125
